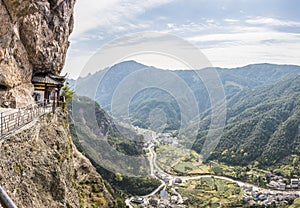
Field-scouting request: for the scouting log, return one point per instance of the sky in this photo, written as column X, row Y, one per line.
column 230, row 33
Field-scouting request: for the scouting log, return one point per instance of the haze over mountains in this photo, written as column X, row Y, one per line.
column 234, row 80
column 262, row 121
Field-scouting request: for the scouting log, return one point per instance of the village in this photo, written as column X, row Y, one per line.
column 252, row 195
column 267, row 197
column 279, row 191
column 168, row 197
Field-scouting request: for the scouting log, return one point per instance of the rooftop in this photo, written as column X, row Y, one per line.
column 48, row 78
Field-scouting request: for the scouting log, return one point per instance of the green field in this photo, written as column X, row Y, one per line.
column 296, row 204
column 184, row 167
column 211, row 192
column 180, row 161
column 168, row 156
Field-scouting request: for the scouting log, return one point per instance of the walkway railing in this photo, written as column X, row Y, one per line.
column 5, row 200
column 10, row 121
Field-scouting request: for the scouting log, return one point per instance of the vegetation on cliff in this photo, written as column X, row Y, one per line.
column 41, row 167
column 84, row 137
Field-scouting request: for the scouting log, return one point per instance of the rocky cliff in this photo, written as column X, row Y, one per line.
column 33, row 38
column 40, row 167
column 39, row 164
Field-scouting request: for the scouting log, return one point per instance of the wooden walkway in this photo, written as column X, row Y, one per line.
column 12, row 119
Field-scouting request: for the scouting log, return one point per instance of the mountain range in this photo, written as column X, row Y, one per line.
column 262, row 122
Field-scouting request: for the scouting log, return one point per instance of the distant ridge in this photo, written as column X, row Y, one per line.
column 251, row 91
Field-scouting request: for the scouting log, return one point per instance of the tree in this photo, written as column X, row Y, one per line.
column 119, row 203
column 118, row 177
column 67, row 92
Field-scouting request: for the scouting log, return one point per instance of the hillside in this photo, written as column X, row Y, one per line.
column 262, row 125
column 110, row 147
column 142, row 103
column 262, row 112
column 41, row 167
column 83, row 111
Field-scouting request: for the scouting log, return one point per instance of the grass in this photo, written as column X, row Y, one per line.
column 201, row 169
column 296, row 204
column 168, row 156
column 184, row 167
column 180, row 161
column 211, row 192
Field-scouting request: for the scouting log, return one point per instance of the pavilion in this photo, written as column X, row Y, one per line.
column 47, row 87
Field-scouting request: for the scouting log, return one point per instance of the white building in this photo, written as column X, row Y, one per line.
column 294, row 183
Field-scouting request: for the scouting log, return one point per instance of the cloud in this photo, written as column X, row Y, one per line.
column 109, row 14
column 231, row 40
column 272, row 22
column 74, row 64
column 231, row 20
column 255, row 37
column 250, row 41
column 170, row 25
column 240, row 55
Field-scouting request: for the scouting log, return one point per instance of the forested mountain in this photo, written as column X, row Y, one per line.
column 95, row 131
column 111, row 148
column 262, row 121
column 262, row 125
column 102, row 85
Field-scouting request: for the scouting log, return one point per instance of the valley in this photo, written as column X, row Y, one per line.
column 254, row 164
column 149, row 104
column 202, row 185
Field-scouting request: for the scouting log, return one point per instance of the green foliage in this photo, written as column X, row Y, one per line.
column 68, row 204
column 95, row 121
column 156, row 110
column 119, row 203
column 118, row 177
column 83, row 128
column 67, row 92
column 295, row 204
column 262, row 126
column 18, row 168
column 139, row 185
column 211, row 192
column 90, row 194
column 128, row 185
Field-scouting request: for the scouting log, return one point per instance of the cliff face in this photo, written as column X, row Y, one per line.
column 39, row 164
column 40, row 167
column 33, row 38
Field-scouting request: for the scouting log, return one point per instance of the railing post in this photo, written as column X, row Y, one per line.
column 1, row 123
column 5, row 200
column 19, row 116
